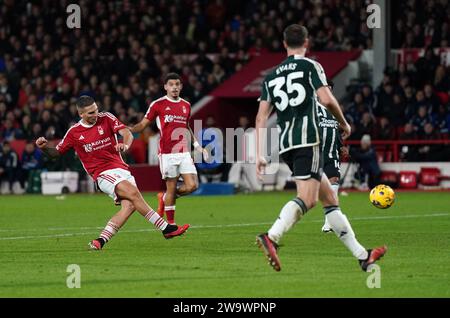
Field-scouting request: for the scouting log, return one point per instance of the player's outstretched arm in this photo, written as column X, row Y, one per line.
column 127, row 140
column 42, row 144
column 197, row 145
column 329, row 101
column 140, row 126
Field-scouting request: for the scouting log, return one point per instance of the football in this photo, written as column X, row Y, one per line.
column 382, row 196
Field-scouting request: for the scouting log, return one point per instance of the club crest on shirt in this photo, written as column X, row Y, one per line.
column 87, row 147
column 184, row 109
column 100, row 130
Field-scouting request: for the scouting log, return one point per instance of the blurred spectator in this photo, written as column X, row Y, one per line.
column 408, row 152
column 31, row 159
column 385, row 100
column 369, row 170
column 397, row 113
column 441, row 80
column 421, row 119
column 431, row 99
column 430, row 152
column 426, row 66
column 365, row 127
column 408, row 133
column 357, row 108
column 10, row 132
column 442, row 121
column 368, row 97
column 9, row 165
column 385, row 131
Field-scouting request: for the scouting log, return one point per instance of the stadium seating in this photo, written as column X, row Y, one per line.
column 389, row 178
column 408, row 179
column 429, row 176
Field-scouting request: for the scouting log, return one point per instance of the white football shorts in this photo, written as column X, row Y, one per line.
column 108, row 179
column 172, row 165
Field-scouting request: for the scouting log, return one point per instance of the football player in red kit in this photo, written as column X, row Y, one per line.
column 95, row 141
column 172, row 114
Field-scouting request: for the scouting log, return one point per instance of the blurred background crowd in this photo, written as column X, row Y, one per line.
column 124, row 48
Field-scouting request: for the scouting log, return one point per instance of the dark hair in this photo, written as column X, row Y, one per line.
column 171, row 76
column 295, row 35
column 84, row 101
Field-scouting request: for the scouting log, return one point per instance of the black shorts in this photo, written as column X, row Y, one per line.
column 305, row 162
column 332, row 168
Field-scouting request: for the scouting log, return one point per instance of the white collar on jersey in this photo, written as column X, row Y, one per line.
column 298, row 56
column 85, row 125
column 173, row 100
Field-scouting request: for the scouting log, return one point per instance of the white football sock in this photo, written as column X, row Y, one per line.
column 335, row 187
column 343, row 230
column 326, row 226
column 156, row 220
column 289, row 215
column 109, row 231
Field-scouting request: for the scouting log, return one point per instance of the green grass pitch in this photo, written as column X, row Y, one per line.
column 40, row 236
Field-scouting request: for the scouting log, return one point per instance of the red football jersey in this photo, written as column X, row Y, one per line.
column 94, row 144
column 172, row 118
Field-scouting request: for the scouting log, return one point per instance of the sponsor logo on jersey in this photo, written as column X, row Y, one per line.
column 96, row 145
column 174, row 118
column 328, row 123
column 81, row 137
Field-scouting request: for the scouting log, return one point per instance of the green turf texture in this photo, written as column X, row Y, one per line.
column 41, row 235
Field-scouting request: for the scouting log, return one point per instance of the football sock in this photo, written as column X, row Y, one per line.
column 170, row 214
column 343, row 230
column 108, row 232
column 289, row 215
column 335, row 187
column 155, row 219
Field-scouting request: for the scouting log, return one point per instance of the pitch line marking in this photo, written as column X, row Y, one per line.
column 210, row 226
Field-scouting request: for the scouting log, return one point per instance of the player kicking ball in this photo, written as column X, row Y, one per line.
column 172, row 114
column 94, row 140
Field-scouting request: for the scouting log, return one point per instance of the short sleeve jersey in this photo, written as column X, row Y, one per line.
column 291, row 87
column 172, row 118
column 95, row 144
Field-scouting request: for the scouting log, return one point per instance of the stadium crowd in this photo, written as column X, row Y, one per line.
column 124, row 48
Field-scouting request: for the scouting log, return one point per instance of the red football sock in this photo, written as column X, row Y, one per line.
column 170, row 214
